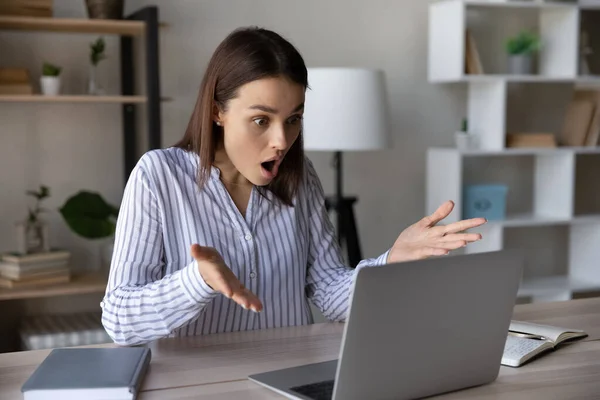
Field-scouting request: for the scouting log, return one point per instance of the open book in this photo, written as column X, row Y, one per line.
column 526, row 340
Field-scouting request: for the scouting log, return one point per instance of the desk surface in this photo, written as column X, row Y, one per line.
column 216, row 366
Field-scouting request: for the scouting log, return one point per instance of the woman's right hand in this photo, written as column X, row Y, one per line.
column 221, row 279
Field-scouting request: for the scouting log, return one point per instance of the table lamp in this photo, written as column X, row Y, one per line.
column 346, row 109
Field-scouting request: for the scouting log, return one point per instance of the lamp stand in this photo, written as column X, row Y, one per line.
column 344, row 208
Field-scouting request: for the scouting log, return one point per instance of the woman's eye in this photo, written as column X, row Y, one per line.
column 295, row 119
column 260, row 121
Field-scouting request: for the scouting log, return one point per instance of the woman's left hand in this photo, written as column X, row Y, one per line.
column 424, row 239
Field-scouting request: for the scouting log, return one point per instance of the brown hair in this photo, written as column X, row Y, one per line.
column 246, row 54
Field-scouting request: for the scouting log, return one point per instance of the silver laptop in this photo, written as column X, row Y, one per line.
column 415, row 329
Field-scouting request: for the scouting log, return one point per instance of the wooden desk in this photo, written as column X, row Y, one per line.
column 217, row 366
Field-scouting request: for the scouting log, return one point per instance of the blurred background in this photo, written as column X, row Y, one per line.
column 491, row 104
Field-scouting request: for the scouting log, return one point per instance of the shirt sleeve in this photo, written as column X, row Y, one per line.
column 328, row 278
column 141, row 303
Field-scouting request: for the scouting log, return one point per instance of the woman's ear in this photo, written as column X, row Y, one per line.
column 217, row 115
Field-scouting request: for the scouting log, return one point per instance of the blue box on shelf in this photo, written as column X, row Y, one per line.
column 485, row 201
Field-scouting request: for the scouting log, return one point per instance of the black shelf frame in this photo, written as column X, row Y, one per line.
column 148, row 15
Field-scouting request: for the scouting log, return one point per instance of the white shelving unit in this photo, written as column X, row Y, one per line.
column 554, row 170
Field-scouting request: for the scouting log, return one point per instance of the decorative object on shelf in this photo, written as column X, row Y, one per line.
column 473, row 64
column 26, row 8
column 105, row 9
column 15, row 81
column 32, row 234
column 336, row 97
column 88, row 215
column 485, row 201
column 464, row 139
column 581, row 126
column 528, row 140
column 521, row 50
column 50, row 80
column 62, row 330
column 585, row 52
column 97, row 54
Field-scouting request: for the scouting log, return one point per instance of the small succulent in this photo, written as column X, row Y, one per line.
column 524, row 43
column 49, row 69
column 97, row 49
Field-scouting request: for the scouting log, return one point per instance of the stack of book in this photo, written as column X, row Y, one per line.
column 18, row 271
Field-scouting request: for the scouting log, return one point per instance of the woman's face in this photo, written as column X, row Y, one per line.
column 260, row 125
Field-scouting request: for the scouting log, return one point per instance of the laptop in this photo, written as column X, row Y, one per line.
column 415, row 329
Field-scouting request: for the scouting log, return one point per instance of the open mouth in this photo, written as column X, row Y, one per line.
column 270, row 168
column 268, row 165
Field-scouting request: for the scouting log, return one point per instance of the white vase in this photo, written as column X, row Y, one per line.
column 94, row 88
column 50, row 85
column 521, row 64
column 465, row 141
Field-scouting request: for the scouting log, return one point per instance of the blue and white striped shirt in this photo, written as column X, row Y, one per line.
column 285, row 255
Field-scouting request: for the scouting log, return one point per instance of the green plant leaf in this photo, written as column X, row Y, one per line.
column 89, row 215
column 524, row 43
column 50, row 69
column 97, row 51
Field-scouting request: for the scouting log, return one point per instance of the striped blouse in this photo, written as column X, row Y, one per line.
column 287, row 256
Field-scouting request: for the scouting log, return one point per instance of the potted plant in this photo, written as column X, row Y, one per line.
column 32, row 233
column 97, row 54
column 89, row 216
column 50, row 80
column 105, row 9
column 463, row 139
column 521, row 49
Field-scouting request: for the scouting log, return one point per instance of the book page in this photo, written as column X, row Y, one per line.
column 518, row 350
column 553, row 333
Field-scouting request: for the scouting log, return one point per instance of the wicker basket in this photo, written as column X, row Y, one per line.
column 105, row 9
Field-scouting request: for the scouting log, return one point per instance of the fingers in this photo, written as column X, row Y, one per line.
column 442, row 212
column 464, row 225
column 203, row 253
column 467, row 237
column 247, row 299
column 453, row 245
column 425, row 252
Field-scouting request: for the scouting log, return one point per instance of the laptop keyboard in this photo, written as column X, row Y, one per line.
column 316, row 391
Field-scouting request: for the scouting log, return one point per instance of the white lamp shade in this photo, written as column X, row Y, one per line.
column 346, row 109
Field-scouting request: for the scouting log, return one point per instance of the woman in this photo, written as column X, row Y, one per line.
column 238, row 194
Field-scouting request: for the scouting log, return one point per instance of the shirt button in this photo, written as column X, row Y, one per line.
column 252, row 274
column 248, row 236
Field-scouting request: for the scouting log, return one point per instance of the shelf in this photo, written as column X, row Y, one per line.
column 38, row 98
column 591, row 6
column 520, row 151
column 554, row 287
column 79, row 284
column 518, row 4
column 71, row 25
column 582, row 81
column 529, row 220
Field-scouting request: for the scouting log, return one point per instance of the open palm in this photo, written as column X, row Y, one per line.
column 425, row 238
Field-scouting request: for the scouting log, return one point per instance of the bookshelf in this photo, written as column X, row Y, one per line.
column 555, row 174
column 139, row 94
column 38, row 98
column 73, row 25
column 79, row 284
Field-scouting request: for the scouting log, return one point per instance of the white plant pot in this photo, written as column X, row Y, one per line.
column 50, row 85
column 465, row 141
